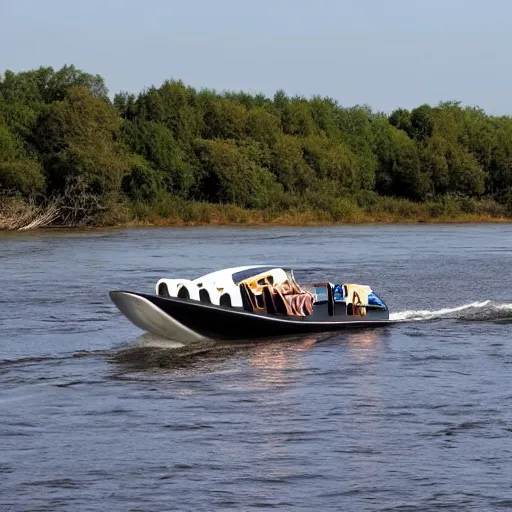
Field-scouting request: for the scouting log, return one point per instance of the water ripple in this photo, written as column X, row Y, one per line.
column 96, row 417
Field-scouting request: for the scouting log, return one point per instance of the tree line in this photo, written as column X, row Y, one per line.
column 62, row 136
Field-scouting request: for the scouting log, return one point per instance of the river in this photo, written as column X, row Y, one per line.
column 96, row 416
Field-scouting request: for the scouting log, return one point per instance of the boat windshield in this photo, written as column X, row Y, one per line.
column 249, row 273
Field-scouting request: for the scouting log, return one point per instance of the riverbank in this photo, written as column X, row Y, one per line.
column 205, row 214
column 309, row 222
column 17, row 214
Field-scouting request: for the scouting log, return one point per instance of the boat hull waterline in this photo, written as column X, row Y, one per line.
column 186, row 320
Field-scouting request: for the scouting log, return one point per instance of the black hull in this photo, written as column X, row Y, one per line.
column 219, row 322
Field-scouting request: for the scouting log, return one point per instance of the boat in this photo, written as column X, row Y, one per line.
column 249, row 302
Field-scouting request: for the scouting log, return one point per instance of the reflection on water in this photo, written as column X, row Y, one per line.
column 272, row 358
column 364, row 345
column 281, row 354
column 277, row 360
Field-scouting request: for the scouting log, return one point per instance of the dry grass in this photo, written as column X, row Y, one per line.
column 19, row 215
column 45, row 217
column 229, row 215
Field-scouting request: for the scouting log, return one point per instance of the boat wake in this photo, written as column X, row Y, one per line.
column 475, row 311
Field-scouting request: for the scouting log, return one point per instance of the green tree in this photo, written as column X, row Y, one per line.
column 44, row 85
column 297, row 119
column 228, row 176
column 398, row 172
column 155, row 143
column 142, row 183
column 18, row 173
column 401, row 119
column 323, row 111
column 77, row 139
column 422, row 124
column 289, row 166
column 332, row 161
column 222, row 119
column 356, row 128
column 263, row 126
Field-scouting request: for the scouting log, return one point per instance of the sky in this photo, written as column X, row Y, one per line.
column 382, row 53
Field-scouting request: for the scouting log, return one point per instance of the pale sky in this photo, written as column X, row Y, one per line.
column 384, row 53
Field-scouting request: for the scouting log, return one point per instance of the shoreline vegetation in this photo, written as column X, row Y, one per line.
column 174, row 156
column 20, row 215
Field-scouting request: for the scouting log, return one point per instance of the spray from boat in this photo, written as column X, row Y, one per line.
column 475, row 311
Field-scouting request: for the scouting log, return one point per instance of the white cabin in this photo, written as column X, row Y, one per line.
column 222, row 287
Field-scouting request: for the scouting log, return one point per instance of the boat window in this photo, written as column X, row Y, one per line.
column 204, row 296
column 183, row 293
column 163, row 290
column 246, row 274
column 225, row 300
column 321, row 294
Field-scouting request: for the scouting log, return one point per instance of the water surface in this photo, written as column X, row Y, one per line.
column 95, row 416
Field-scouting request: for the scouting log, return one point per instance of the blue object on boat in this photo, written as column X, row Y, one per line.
column 338, row 293
column 374, row 300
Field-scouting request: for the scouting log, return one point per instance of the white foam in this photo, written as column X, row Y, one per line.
column 418, row 315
